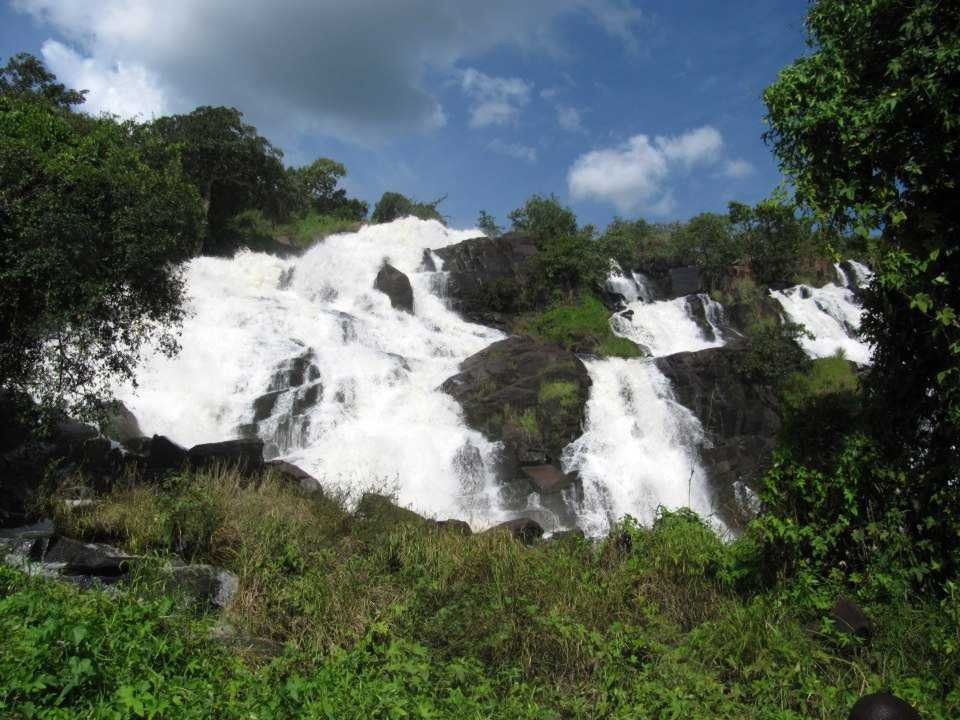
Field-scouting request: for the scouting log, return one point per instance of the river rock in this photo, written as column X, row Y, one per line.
column 882, row 706
column 456, row 527
column 739, row 417
column 78, row 558
column 395, row 285
column 850, row 619
column 119, row 423
column 164, row 455
column 244, row 454
column 525, row 530
column 206, row 584
column 294, row 475
column 548, row 478
column 527, row 393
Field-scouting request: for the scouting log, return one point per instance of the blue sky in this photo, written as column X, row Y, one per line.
column 640, row 109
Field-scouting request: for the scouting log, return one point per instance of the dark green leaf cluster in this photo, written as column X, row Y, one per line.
column 393, row 206
column 94, row 219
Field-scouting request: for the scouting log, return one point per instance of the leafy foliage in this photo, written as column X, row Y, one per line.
column 867, row 127
column 487, row 223
column 25, row 76
column 91, row 236
column 316, row 191
column 232, row 167
column 393, row 206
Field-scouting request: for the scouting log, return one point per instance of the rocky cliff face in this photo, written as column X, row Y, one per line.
column 532, row 396
column 739, row 416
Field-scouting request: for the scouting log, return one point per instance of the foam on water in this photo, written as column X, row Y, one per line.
column 379, row 422
column 640, row 448
column 831, row 314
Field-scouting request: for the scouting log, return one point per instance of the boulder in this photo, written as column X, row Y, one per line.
column 848, row 618
column 527, row 393
column 294, row 475
column 382, row 511
column 245, row 454
column 456, row 527
column 164, row 455
column 525, row 530
column 882, row 706
column 205, row 584
column 395, row 285
column 482, row 273
column 738, row 415
column 119, row 423
column 80, row 558
column 547, row 478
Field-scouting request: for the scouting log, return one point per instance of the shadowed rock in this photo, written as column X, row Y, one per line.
column 882, row 706
column 245, row 454
column 396, row 286
column 548, row 478
column 849, row 618
column 525, row 530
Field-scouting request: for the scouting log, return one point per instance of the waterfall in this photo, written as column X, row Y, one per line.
column 345, row 386
column 640, row 448
column 831, row 314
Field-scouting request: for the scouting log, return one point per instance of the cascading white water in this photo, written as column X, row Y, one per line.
column 640, row 449
column 831, row 314
column 379, row 421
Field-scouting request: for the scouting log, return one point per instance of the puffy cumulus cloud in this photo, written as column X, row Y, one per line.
column 514, row 150
column 737, row 169
column 356, row 70
column 494, row 100
column 129, row 91
column 638, row 173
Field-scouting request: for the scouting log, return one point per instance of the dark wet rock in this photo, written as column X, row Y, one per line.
column 120, row 423
column 164, row 455
column 306, row 399
column 263, row 405
column 206, row 584
column 80, row 558
column 685, row 281
column 696, row 309
column 482, row 274
column 456, row 527
column 138, row 446
column 850, row 619
column 628, row 314
column 294, row 475
column 245, row 454
column 70, row 433
column 525, row 530
column 738, row 415
column 529, row 394
column 396, row 286
column 548, row 478
column 882, row 706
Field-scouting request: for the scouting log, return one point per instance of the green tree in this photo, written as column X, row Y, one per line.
column 90, row 239
column 315, row 188
column 773, row 236
column 544, row 218
column 26, row 75
column 710, row 243
column 393, row 206
column 867, row 128
column 487, row 223
column 233, row 168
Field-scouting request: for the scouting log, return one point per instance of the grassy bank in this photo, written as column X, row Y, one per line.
column 378, row 614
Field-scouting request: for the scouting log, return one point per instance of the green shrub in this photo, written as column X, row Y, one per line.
column 393, row 206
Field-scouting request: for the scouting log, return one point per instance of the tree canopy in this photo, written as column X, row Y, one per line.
column 867, row 128
column 25, row 75
column 90, row 238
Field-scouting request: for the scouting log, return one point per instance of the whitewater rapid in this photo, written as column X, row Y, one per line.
column 831, row 314
column 640, row 449
column 379, row 422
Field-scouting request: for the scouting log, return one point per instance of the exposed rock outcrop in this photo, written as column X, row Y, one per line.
column 739, row 416
column 529, row 394
column 396, row 286
column 525, row 530
column 245, row 454
column 482, row 273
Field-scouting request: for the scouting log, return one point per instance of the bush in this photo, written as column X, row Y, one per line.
column 393, row 206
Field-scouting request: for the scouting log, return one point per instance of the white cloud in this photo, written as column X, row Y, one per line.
column 638, row 173
column 494, row 100
column 356, row 70
column 129, row 91
column 737, row 169
column 569, row 118
column 514, row 150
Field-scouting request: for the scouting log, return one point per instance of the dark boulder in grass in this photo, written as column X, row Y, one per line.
column 244, row 454
column 882, row 706
column 525, row 530
column 80, row 558
column 396, row 286
column 204, row 584
column 164, row 455
column 848, row 618
column 294, row 475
